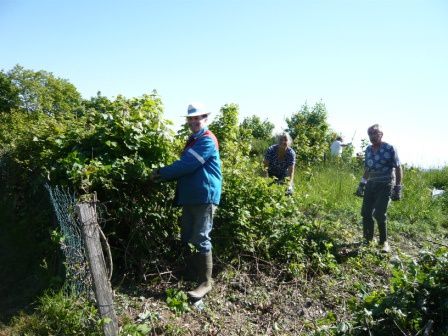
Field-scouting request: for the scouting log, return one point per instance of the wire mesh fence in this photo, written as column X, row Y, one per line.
column 77, row 273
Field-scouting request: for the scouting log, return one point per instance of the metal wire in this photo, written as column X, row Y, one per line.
column 78, row 278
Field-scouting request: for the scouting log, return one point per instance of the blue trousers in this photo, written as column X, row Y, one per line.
column 196, row 226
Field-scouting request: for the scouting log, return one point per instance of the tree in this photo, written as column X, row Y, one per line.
column 257, row 128
column 225, row 127
column 311, row 133
column 9, row 94
column 42, row 92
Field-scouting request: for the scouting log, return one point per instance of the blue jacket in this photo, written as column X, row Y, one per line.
column 198, row 171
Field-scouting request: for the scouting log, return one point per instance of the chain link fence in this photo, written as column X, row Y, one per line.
column 78, row 277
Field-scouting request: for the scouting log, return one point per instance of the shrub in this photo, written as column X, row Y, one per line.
column 256, row 218
column 261, row 130
column 59, row 314
column 311, row 133
column 416, row 298
column 111, row 149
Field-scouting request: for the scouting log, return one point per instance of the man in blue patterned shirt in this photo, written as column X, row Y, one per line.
column 380, row 183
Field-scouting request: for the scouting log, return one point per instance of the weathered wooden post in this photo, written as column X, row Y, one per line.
column 103, row 292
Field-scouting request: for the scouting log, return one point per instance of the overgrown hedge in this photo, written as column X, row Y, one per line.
column 112, row 146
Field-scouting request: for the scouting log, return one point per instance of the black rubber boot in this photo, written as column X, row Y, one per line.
column 189, row 271
column 204, row 266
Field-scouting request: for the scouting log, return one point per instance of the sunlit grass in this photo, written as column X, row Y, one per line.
column 331, row 187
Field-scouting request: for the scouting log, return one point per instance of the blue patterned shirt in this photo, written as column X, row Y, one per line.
column 279, row 167
column 382, row 162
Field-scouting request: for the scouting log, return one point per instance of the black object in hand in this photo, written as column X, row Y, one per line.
column 361, row 188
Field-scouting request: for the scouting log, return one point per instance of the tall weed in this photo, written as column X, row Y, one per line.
column 59, row 314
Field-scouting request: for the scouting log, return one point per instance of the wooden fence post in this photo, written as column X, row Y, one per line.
column 102, row 287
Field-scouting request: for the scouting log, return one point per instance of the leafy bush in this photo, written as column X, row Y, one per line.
column 255, row 217
column 59, row 314
column 261, row 130
column 30, row 261
column 111, row 149
column 416, row 299
column 9, row 94
column 37, row 92
column 311, row 133
column 226, row 130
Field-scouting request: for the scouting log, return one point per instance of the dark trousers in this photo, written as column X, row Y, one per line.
column 374, row 205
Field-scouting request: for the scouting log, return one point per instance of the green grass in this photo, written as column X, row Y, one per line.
column 332, row 187
column 59, row 314
column 329, row 186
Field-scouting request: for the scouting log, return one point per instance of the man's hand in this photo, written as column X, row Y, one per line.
column 397, row 193
column 361, row 188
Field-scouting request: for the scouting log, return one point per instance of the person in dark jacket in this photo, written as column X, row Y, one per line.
column 198, row 192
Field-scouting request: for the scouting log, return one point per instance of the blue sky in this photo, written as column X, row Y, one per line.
column 381, row 61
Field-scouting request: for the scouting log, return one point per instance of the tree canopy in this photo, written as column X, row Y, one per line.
column 311, row 132
column 258, row 129
column 37, row 92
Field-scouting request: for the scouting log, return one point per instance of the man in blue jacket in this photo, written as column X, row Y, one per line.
column 199, row 180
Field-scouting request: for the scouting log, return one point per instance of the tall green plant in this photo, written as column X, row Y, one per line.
column 225, row 127
column 311, row 133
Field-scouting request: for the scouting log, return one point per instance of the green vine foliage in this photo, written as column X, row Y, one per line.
column 256, row 218
column 416, row 300
column 111, row 149
column 111, row 146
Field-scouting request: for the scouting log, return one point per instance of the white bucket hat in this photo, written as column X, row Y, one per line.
column 196, row 109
